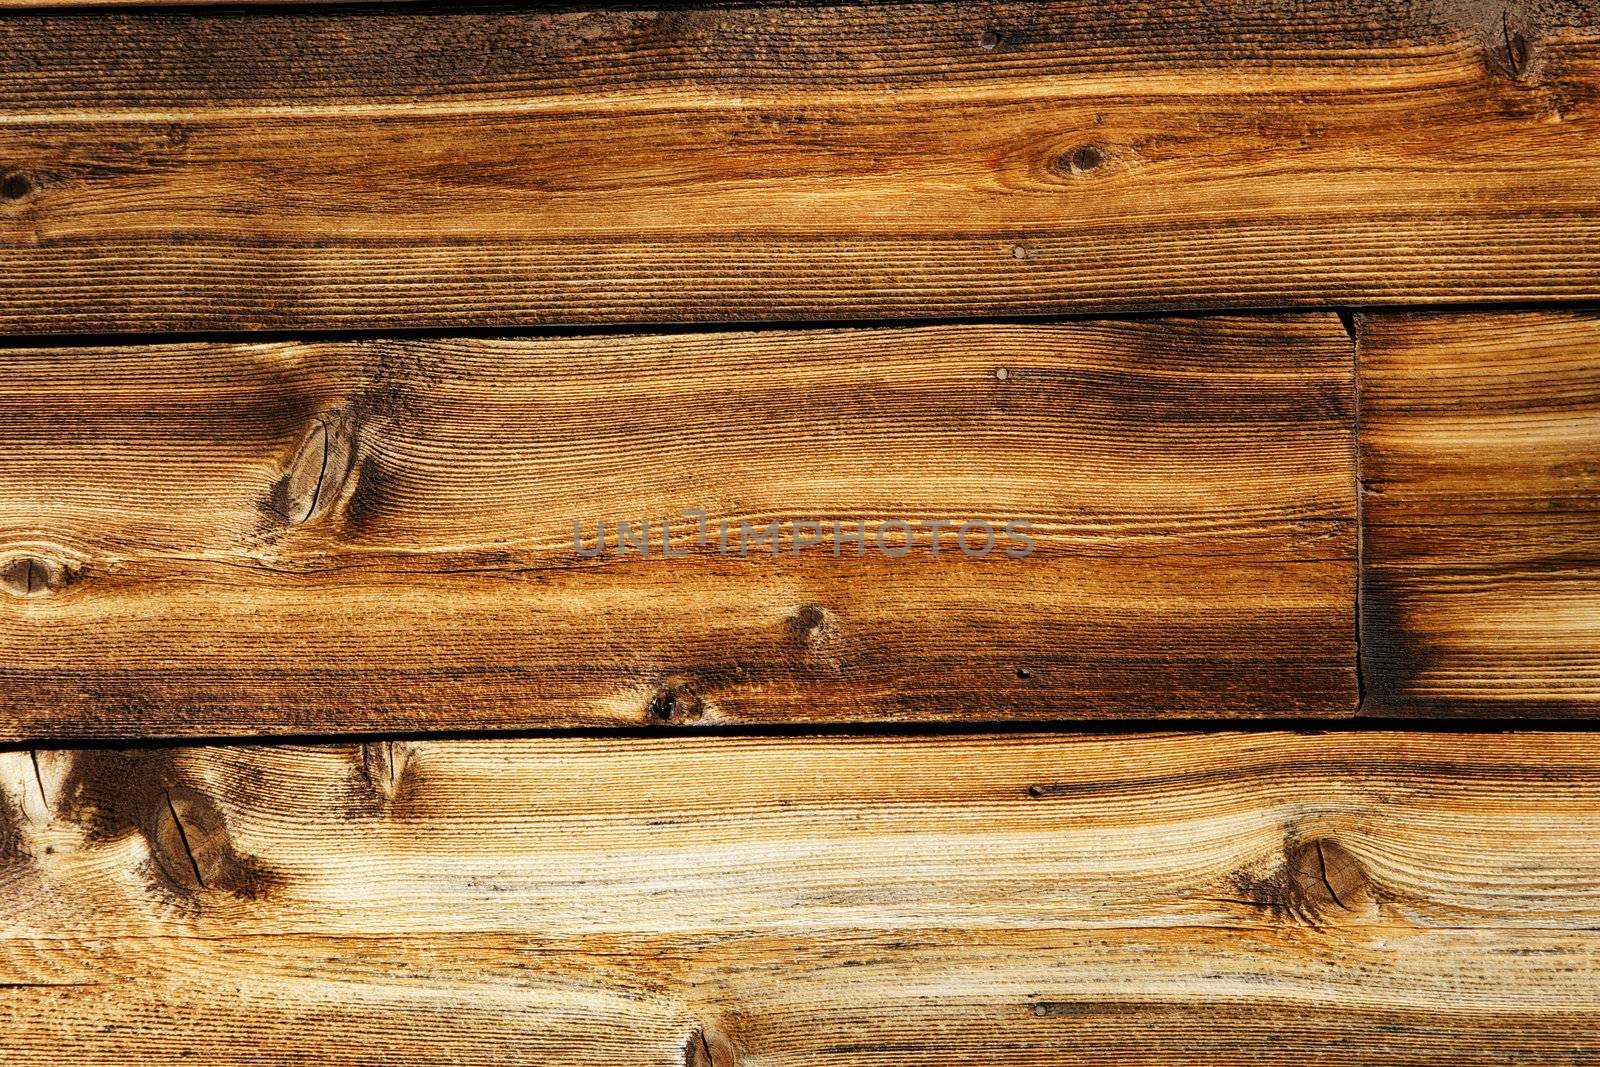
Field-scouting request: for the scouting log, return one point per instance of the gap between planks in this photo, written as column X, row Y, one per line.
column 1347, row 314
column 953, row 729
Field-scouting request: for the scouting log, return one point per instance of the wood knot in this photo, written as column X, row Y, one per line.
column 190, row 845
column 29, row 576
column 707, row 1048
column 812, row 626
column 675, row 702
column 317, row 472
column 1515, row 52
column 183, row 833
column 1081, row 161
column 1317, row 882
column 1509, row 38
column 384, row 765
column 17, row 186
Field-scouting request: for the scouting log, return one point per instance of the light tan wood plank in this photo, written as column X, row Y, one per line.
column 223, row 539
column 1481, row 458
column 200, row 170
column 1367, row 898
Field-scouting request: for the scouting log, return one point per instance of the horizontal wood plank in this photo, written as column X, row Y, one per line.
column 1272, row 898
column 1481, row 465
column 425, row 166
column 212, row 539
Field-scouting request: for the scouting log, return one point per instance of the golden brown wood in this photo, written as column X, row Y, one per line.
column 1222, row 899
column 209, row 539
column 1481, row 461
column 355, row 168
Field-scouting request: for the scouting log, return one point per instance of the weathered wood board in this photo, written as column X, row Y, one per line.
column 1271, row 898
column 1481, row 462
column 407, row 167
column 218, row 539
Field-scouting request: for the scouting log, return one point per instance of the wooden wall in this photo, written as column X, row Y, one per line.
column 1263, row 338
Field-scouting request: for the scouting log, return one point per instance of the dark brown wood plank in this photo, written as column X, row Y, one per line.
column 209, row 539
column 1481, row 461
column 422, row 166
column 1260, row 899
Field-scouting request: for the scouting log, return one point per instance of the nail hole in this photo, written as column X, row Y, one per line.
column 1036, row 791
column 1023, row 672
column 1020, row 252
column 674, row 703
column 988, row 40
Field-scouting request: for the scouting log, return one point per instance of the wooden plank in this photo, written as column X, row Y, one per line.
column 1481, row 462
column 414, row 167
column 218, row 539
column 1268, row 898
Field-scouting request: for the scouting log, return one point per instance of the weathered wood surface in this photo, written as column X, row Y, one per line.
column 1481, row 462
column 406, row 167
column 1156, row 899
column 210, row 539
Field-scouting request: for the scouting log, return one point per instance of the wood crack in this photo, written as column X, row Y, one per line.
column 1322, row 868
column 44, row 798
column 183, row 839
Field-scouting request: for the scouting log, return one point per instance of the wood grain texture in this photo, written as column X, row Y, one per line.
column 214, row 539
column 422, row 166
column 1481, row 462
column 1026, row 900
